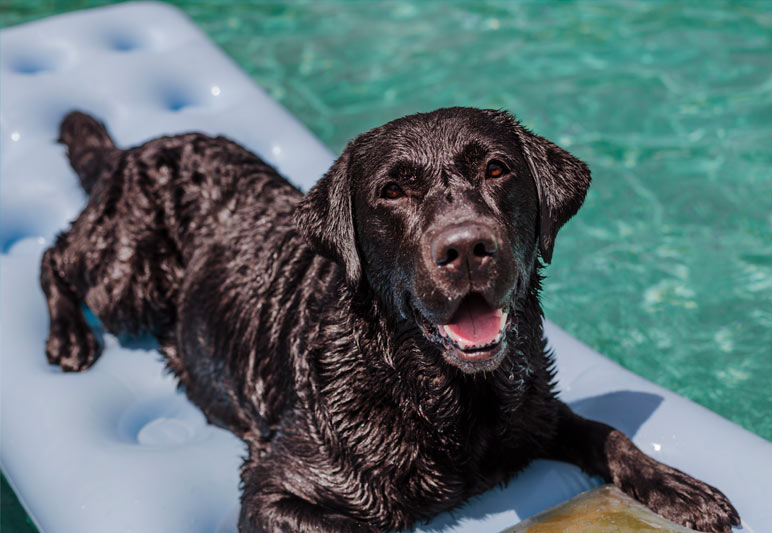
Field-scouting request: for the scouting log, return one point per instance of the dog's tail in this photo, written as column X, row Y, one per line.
column 89, row 147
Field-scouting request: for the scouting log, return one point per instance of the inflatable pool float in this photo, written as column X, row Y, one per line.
column 116, row 448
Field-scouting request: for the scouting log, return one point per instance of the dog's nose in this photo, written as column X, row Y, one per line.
column 464, row 248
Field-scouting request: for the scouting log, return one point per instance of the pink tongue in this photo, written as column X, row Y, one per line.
column 475, row 323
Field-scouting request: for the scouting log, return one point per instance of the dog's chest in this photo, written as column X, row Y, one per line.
column 429, row 464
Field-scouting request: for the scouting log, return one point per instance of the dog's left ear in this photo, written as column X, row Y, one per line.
column 561, row 182
column 324, row 218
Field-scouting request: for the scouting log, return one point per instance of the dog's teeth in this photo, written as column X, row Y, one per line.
column 503, row 321
column 445, row 330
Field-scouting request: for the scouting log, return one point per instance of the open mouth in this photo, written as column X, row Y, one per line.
column 476, row 332
column 476, row 328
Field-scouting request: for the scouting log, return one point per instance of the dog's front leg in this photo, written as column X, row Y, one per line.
column 267, row 508
column 601, row 450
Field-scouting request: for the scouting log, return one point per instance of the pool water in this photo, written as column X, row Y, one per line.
column 667, row 269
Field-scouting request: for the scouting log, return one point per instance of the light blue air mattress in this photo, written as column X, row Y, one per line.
column 116, row 448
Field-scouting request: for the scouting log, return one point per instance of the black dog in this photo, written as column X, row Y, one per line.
column 378, row 342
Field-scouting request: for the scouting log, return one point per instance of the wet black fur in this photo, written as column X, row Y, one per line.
column 296, row 321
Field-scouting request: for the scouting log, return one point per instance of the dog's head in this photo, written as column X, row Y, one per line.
column 443, row 216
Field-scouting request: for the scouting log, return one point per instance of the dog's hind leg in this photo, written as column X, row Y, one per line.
column 71, row 343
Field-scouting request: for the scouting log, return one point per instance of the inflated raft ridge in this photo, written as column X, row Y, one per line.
column 116, row 448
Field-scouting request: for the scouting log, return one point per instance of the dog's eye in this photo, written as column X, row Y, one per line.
column 392, row 191
column 495, row 169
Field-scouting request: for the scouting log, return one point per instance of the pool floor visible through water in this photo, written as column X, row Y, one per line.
column 667, row 269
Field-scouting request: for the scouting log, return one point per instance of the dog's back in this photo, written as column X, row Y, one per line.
column 152, row 211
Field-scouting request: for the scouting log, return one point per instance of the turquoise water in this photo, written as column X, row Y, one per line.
column 667, row 269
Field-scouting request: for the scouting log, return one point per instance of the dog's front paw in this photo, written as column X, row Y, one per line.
column 72, row 345
column 681, row 498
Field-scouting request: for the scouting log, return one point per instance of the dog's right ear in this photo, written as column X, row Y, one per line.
column 324, row 218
